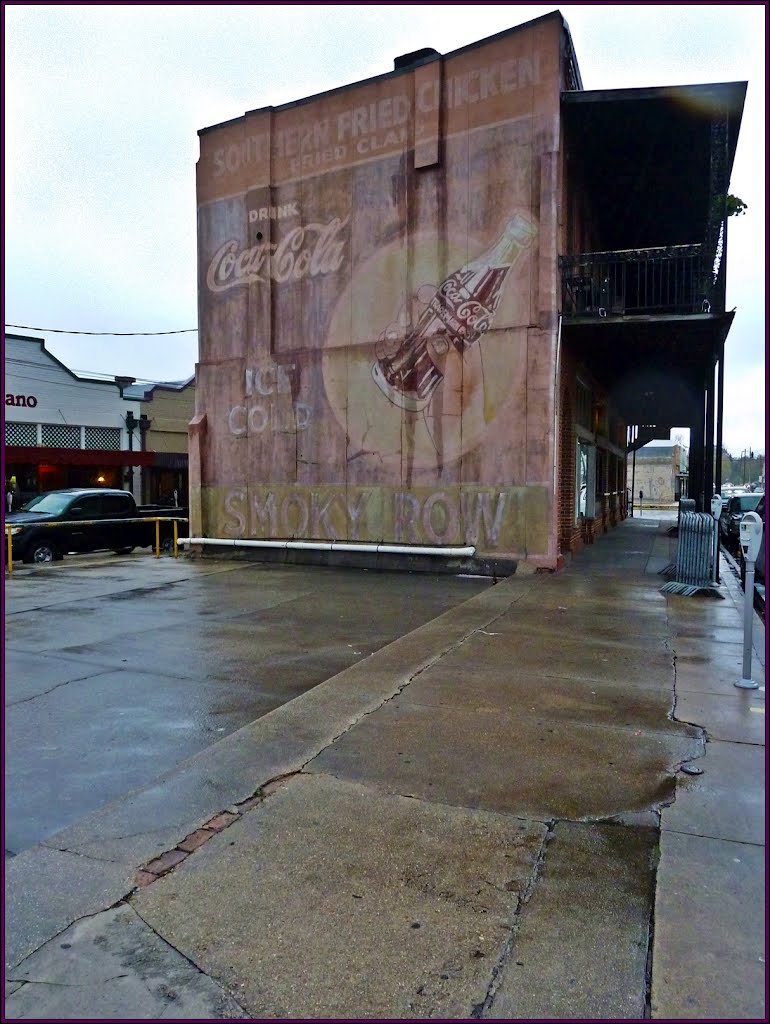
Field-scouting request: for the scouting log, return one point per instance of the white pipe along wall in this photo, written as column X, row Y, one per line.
column 305, row 545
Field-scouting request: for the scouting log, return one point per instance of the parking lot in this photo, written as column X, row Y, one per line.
column 118, row 668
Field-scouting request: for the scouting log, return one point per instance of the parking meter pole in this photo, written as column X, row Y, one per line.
column 746, row 682
column 751, row 536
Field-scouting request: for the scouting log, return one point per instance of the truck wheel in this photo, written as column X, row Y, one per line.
column 123, row 551
column 43, row 551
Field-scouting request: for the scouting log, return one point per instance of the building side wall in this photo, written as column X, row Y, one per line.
column 169, row 413
column 657, row 478
column 326, row 232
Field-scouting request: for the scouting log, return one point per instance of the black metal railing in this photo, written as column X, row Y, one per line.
column 632, row 282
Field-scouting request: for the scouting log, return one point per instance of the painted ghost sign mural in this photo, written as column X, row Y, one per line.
column 456, row 315
column 305, row 250
column 374, row 365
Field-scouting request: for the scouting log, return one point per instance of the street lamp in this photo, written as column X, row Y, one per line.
column 124, row 382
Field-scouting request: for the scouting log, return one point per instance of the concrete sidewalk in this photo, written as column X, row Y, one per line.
column 487, row 818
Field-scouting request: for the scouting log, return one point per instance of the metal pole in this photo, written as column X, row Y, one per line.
column 747, row 683
column 157, row 538
column 633, row 481
column 9, row 563
column 720, row 410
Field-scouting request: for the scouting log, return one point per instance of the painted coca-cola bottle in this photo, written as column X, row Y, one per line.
column 460, row 311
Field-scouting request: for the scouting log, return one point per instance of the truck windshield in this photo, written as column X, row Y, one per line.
column 49, row 503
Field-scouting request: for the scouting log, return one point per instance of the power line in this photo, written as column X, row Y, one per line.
column 106, row 334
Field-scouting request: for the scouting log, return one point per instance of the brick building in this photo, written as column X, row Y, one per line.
column 438, row 307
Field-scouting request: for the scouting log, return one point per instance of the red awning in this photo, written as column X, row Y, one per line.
column 76, row 456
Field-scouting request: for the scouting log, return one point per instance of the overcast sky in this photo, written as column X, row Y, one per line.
column 103, row 105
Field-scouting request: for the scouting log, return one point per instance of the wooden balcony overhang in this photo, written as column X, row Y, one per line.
column 654, row 368
column 646, row 157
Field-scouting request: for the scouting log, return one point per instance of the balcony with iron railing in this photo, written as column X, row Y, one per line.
column 671, row 280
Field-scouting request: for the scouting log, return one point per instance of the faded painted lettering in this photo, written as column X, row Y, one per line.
column 305, row 251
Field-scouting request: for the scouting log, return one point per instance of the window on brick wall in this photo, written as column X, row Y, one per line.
column 601, row 474
column 583, row 406
column 600, row 418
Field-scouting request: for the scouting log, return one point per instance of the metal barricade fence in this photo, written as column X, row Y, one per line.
column 695, row 555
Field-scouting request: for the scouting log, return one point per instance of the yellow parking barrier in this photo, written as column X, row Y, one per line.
column 176, row 520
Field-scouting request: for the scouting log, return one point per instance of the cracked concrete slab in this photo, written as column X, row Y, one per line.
column 516, row 762
column 191, row 659
column 700, row 631
column 46, row 890
column 146, row 822
column 561, row 699
column 394, row 908
column 728, row 800
column 580, row 948
column 102, row 965
column 738, row 716
column 546, row 612
column 28, row 676
column 714, row 672
column 87, row 623
column 575, row 656
column 710, row 931
column 135, row 728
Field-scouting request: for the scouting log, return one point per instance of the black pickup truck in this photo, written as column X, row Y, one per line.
column 87, row 519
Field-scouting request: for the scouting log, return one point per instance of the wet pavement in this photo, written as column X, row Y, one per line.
column 486, row 818
column 117, row 669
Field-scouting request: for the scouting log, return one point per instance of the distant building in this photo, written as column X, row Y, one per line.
column 660, row 473
column 165, row 411
column 63, row 429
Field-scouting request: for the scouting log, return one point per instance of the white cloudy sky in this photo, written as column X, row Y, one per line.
column 103, row 103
